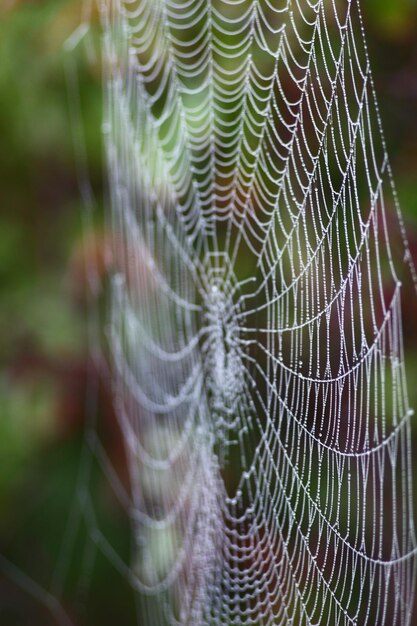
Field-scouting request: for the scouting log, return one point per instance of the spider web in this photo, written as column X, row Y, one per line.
column 255, row 326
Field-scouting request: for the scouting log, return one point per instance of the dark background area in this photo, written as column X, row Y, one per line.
column 46, row 376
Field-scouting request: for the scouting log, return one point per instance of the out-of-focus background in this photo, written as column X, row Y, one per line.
column 47, row 382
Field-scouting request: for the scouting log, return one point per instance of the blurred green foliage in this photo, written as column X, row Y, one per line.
column 44, row 354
